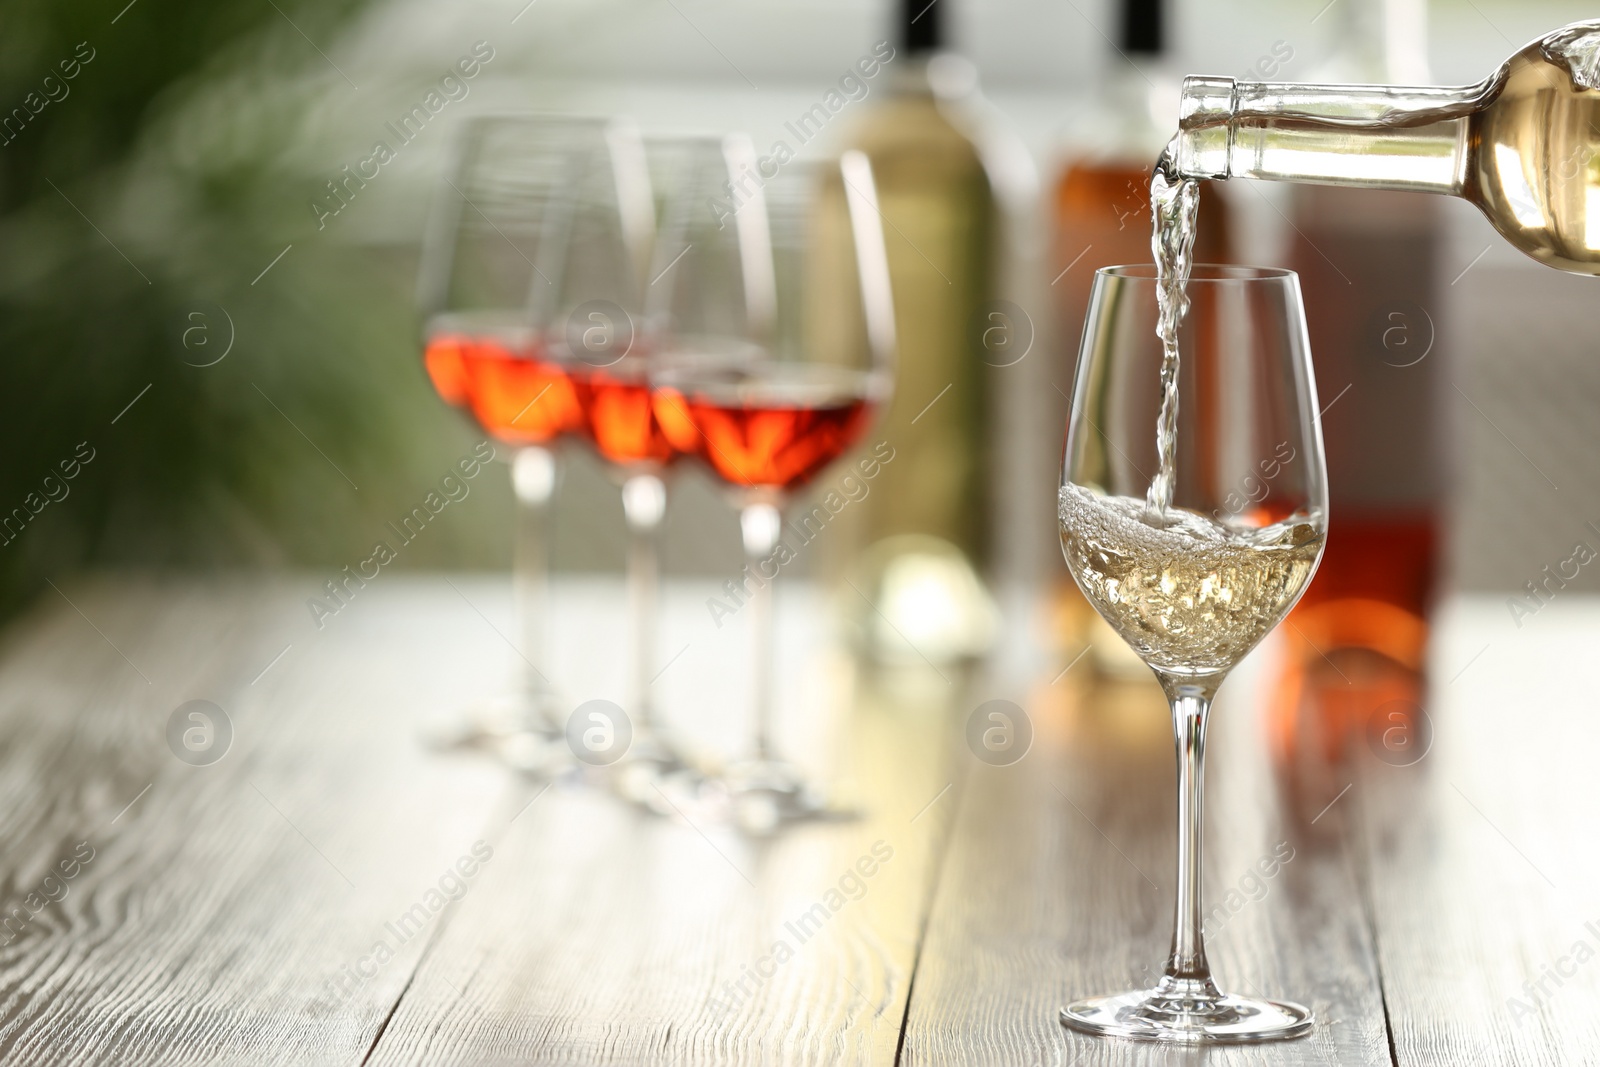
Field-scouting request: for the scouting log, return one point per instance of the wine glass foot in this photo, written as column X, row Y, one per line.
column 1185, row 1018
column 537, row 755
column 515, row 728
column 653, row 772
column 762, row 795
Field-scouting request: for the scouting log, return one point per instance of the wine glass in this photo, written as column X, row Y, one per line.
column 492, row 256
column 773, row 311
column 1194, row 582
column 594, row 333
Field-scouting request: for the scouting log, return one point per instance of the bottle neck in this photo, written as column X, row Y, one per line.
column 919, row 27
column 1371, row 136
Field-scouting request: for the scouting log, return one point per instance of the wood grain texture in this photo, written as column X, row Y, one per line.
column 1059, row 884
column 607, row 936
column 214, row 908
column 1483, row 864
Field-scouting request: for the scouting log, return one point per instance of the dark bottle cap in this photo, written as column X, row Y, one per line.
column 1141, row 30
column 921, row 25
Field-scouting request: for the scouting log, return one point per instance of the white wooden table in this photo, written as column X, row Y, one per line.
column 232, row 912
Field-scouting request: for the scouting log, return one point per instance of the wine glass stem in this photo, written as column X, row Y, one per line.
column 644, row 504
column 761, row 523
column 533, row 481
column 1191, row 706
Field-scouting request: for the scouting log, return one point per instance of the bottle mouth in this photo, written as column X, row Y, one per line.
column 1205, row 127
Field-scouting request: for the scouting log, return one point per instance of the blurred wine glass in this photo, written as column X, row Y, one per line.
column 493, row 254
column 593, row 331
column 773, row 314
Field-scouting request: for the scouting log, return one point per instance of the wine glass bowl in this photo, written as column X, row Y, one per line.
column 496, row 366
column 1194, row 582
column 619, row 417
column 766, row 426
column 1249, row 479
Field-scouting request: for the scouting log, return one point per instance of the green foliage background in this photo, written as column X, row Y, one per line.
column 176, row 144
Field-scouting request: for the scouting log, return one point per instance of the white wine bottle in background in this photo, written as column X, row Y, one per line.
column 930, row 515
column 941, row 220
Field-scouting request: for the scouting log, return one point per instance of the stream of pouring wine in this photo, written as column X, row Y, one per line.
column 1174, row 205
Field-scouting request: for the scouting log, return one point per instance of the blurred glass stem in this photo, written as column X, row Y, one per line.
column 644, row 505
column 760, row 522
column 533, row 481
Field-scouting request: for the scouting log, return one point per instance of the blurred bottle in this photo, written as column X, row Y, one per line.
column 1102, row 200
column 1102, row 218
column 936, row 197
column 1369, row 263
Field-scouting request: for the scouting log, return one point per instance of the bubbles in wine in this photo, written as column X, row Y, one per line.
column 1193, row 595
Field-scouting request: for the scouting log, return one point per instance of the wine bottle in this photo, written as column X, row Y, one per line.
column 940, row 211
column 1523, row 144
column 1102, row 201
